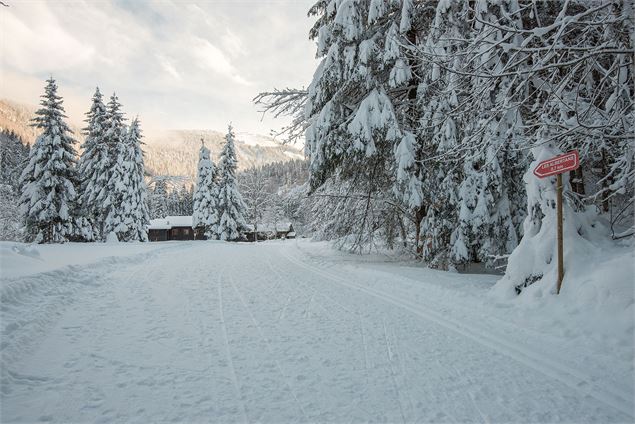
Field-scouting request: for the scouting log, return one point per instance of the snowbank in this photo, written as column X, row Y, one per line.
column 19, row 259
column 599, row 273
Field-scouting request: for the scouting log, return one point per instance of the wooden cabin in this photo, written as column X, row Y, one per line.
column 171, row 228
column 268, row 231
column 180, row 228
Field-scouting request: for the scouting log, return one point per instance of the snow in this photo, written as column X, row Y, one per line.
column 159, row 224
column 256, row 140
column 21, row 260
column 293, row 155
column 186, row 332
column 179, row 221
column 169, row 222
column 112, row 237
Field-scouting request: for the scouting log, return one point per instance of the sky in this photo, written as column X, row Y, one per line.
column 175, row 64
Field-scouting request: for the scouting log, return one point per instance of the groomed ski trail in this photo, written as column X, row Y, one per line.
column 222, row 332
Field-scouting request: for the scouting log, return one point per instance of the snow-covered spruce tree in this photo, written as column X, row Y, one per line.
column 231, row 207
column 406, row 80
column 434, row 173
column 94, row 165
column 175, row 204
column 362, row 114
column 490, row 196
column 115, row 139
column 48, row 182
column 14, row 155
column 186, row 196
column 254, row 186
column 352, row 124
column 205, row 208
column 159, row 198
column 129, row 216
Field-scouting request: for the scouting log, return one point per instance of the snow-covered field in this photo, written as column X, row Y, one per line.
column 292, row 332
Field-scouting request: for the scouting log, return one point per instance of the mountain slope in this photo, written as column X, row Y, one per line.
column 172, row 152
column 175, row 152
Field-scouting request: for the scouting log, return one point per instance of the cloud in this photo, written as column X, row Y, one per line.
column 211, row 57
column 47, row 45
column 232, row 44
column 177, row 64
column 167, row 65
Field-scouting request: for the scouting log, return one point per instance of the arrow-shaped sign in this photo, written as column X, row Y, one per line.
column 557, row 165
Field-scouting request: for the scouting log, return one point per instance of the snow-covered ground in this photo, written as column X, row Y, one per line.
column 292, row 332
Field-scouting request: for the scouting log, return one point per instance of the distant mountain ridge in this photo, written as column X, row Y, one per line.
column 170, row 152
column 175, row 152
column 17, row 117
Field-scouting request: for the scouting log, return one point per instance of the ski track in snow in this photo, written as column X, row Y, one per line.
column 228, row 353
column 551, row 367
column 200, row 332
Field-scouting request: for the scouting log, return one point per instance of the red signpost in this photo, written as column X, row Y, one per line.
column 562, row 163
column 557, row 166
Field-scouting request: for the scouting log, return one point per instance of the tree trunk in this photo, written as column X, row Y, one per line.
column 606, row 182
column 419, row 215
column 577, row 184
column 402, row 229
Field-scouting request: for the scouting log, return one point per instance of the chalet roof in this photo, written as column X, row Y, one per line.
column 179, row 221
column 170, row 222
column 158, row 224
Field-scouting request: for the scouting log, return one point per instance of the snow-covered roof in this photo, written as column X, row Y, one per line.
column 170, row 221
column 179, row 221
column 159, row 224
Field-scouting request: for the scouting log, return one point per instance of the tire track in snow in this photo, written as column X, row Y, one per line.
column 575, row 379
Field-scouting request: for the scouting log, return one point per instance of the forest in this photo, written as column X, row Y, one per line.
column 424, row 120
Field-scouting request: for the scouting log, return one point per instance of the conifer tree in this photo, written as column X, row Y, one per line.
column 205, row 208
column 442, row 101
column 158, row 199
column 94, row 165
column 13, row 156
column 186, row 199
column 49, row 179
column 129, row 216
column 174, row 202
column 231, row 207
column 115, row 139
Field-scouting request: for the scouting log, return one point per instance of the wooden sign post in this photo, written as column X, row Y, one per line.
column 557, row 166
